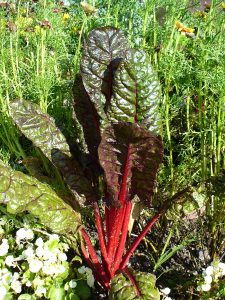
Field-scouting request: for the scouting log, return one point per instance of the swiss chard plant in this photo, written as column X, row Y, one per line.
column 116, row 101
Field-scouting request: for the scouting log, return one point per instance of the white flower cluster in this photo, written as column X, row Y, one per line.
column 44, row 259
column 211, row 274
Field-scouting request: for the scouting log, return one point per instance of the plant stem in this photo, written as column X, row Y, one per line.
column 135, row 244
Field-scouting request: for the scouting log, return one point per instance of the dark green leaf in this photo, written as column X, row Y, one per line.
column 142, row 151
column 136, row 92
column 23, row 193
column 103, row 50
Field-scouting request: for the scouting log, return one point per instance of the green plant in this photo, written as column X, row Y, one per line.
column 119, row 115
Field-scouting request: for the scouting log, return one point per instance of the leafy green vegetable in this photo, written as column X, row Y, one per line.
column 88, row 118
column 103, row 50
column 123, row 289
column 136, row 92
column 38, row 127
column 128, row 148
column 23, row 193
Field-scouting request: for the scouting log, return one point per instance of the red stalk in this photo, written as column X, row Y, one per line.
column 94, row 258
column 118, row 233
column 123, row 190
column 120, row 212
column 132, row 279
column 137, row 241
column 113, row 239
column 120, row 249
column 100, row 231
column 86, row 257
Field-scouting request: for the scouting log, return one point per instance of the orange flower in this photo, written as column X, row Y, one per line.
column 185, row 30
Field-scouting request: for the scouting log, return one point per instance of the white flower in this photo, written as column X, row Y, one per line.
column 28, row 283
column 4, row 247
column 62, row 256
column 166, row 291
column 29, row 234
column 39, row 242
column 90, row 279
column 16, row 275
column 35, row 265
column 222, row 267
column 48, row 269
column 29, row 253
column 208, row 279
column 60, row 269
column 40, row 291
column 72, row 284
column 206, row 287
column 9, row 260
column 16, row 286
column 40, row 252
column 6, row 278
column 65, row 246
column 3, row 292
column 38, row 282
column 167, row 298
column 21, row 234
column 24, row 234
column 209, row 270
column 82, row 270
column 54, row 237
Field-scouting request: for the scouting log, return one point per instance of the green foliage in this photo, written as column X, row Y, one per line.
column 122, row 289
column 23, row 193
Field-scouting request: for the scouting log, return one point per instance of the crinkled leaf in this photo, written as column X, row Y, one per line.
column 136, row 92
column 127, row 150
column 88, row 117
column 103, row 50
column 123, row 289
column 38, row 127
column 74, row 177
column 23, row 193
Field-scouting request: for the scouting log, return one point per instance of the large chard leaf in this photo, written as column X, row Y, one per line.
column 103, row 50
column 123, row 289
column 136, row 92
column 23, row 193
column 130, row 154
column 40, row 128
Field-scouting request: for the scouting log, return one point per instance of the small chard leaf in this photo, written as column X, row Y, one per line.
column 123, row 289
column 136, row 92
column 103, row 50
column 38, row 127
column 88, row 117
column 74, row 177
column 23, row 193
column 130, row 156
